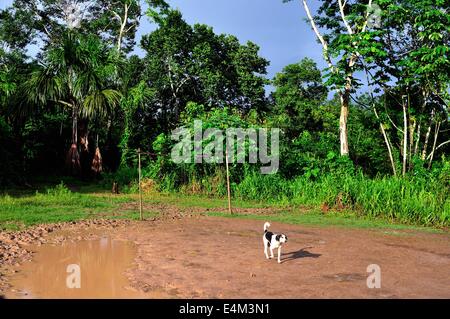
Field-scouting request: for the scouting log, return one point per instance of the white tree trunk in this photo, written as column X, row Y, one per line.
column 427, row 137
column 436, row 134
column 343, row 130
column 123, row 23
column 412, row 129
column 388, row 144
column 416, row 148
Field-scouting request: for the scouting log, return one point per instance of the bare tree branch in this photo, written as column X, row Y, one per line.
column 344, row 19
column 319, row 36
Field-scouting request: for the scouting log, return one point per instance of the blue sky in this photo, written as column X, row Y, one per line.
column 278, row 28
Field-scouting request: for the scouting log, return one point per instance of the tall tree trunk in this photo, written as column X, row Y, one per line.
column 405, row 139
column 343, row 131
column 416, row 148
column 74, row 124
column 427, row 137
column 123, row 23
column 388, row 144
column 73, row 157
column 122, row 29
column 83, row 132
column 345, row 103
column 345, row 96
column 436, row 134
column 412, row 129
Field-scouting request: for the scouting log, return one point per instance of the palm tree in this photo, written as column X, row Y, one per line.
column 76, row 72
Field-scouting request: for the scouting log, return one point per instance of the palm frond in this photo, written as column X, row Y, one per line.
column 44, row 85
column 101, row 103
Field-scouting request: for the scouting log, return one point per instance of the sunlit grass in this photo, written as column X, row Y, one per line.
column 55, row 205
column 405, row 200
column 60, row 204
column 316, row 218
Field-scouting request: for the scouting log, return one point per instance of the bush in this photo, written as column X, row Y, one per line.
column 59, row 190
column 125, row 176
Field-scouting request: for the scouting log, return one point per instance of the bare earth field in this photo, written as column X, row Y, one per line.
column 212, row 257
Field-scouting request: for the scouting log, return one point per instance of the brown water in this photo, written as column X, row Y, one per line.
column 102, row 265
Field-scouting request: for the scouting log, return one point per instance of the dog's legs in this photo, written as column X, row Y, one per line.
column 279, row 255
column 265, row 250
column 271, row 252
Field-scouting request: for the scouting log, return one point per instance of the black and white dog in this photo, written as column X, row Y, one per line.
column 272, row 241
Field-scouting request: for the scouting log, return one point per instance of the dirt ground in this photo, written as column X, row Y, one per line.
column 210, row 257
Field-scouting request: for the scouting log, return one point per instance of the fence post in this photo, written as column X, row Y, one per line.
column 140, row 188
column 228, row 182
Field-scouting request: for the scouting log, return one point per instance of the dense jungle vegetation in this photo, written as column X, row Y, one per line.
column 370, row 133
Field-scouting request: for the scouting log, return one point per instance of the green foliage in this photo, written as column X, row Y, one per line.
column 57, row 204
column 8, row 172
column 187, row 63
column 298, row 96
column 205, row 177
column 413, row 200
column 121, row 103
column 134, row 99
column 59, row 190
column 124, row 176
column 33, row 21
column 75, row 74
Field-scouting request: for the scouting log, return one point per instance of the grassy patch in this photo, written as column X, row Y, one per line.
column 316, row 218
column 60, row 204
column 55, row 205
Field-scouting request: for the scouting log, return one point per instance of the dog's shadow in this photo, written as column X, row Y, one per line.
column 302, row 253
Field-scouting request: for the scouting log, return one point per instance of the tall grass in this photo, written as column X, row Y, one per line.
column 423, row 199
column 411, row 200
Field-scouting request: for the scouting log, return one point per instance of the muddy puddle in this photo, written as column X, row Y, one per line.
column 83, row 269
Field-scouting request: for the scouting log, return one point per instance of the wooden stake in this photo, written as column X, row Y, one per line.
column 228, row 183
column 140, row 188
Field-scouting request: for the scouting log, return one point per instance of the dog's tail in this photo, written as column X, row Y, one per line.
column 266, row 225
